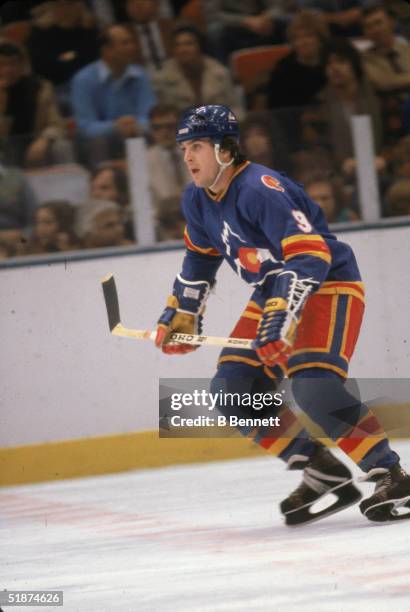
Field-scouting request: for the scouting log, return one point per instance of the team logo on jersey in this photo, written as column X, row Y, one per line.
column 249, row 259
column 271, row 182
column 246, row 259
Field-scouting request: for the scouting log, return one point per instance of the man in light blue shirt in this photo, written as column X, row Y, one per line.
column 111, row 97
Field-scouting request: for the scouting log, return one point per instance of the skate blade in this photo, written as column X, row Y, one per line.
column 389, row 511
column 347, row 495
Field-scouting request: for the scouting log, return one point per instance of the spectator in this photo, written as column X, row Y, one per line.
column 398, row 198
column 192, row 78
column 53, row 229
column 110, row 182
column 18, row 11
column 347, row 94
column 299, row 76
column 17, row 200
column 387, row 62
column 111, row 98
column 59, row 50
column 153, row 33
column 7, row 248
column 400, row 162
column 237, row 25
column 166, row 169
column 405, row 124
column 263, row 141
column 402, row 11
column 101, row 225
column 29, row 117
column 170, row 223
column 328, row 194
column 342, row 16
column 14, row 242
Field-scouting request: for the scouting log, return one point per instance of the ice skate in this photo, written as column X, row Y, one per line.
column 322, row 474
column 391, row 499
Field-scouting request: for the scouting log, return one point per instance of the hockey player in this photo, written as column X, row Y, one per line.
column 304, row 315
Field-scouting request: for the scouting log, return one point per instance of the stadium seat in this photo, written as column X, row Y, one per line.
column 66, row 181
column 251, row 66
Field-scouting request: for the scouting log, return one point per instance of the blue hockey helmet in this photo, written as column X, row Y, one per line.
column 212, row 121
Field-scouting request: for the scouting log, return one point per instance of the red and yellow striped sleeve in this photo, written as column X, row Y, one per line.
column 302, row 244
column 197, row 249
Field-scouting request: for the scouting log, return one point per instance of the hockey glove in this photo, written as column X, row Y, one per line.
column 182, row 314
column 276, row 333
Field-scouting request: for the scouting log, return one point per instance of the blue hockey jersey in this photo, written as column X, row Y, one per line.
column 261, row 224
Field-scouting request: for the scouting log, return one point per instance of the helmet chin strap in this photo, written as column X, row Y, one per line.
column 222, row 165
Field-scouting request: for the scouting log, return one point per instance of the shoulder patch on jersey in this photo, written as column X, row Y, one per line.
column 271, row 182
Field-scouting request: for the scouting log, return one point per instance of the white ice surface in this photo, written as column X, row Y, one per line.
column 198, row 538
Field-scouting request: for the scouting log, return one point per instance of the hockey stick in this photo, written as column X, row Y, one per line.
column 117, row 329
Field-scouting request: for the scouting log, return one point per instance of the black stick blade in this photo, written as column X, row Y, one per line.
column 111, row 300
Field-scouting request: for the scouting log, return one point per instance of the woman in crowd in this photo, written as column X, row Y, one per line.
column 299, row 76
column 110, row 182
column 101, row 225
column 53, row 229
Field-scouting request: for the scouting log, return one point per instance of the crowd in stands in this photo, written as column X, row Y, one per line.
column 78, row 78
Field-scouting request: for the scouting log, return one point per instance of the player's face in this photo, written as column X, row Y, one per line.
column 199, row 157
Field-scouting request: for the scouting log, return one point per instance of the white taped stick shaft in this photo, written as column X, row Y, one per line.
column 141, row 334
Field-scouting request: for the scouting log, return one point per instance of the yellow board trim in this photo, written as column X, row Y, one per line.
column 111, row 454
column 144, row 449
